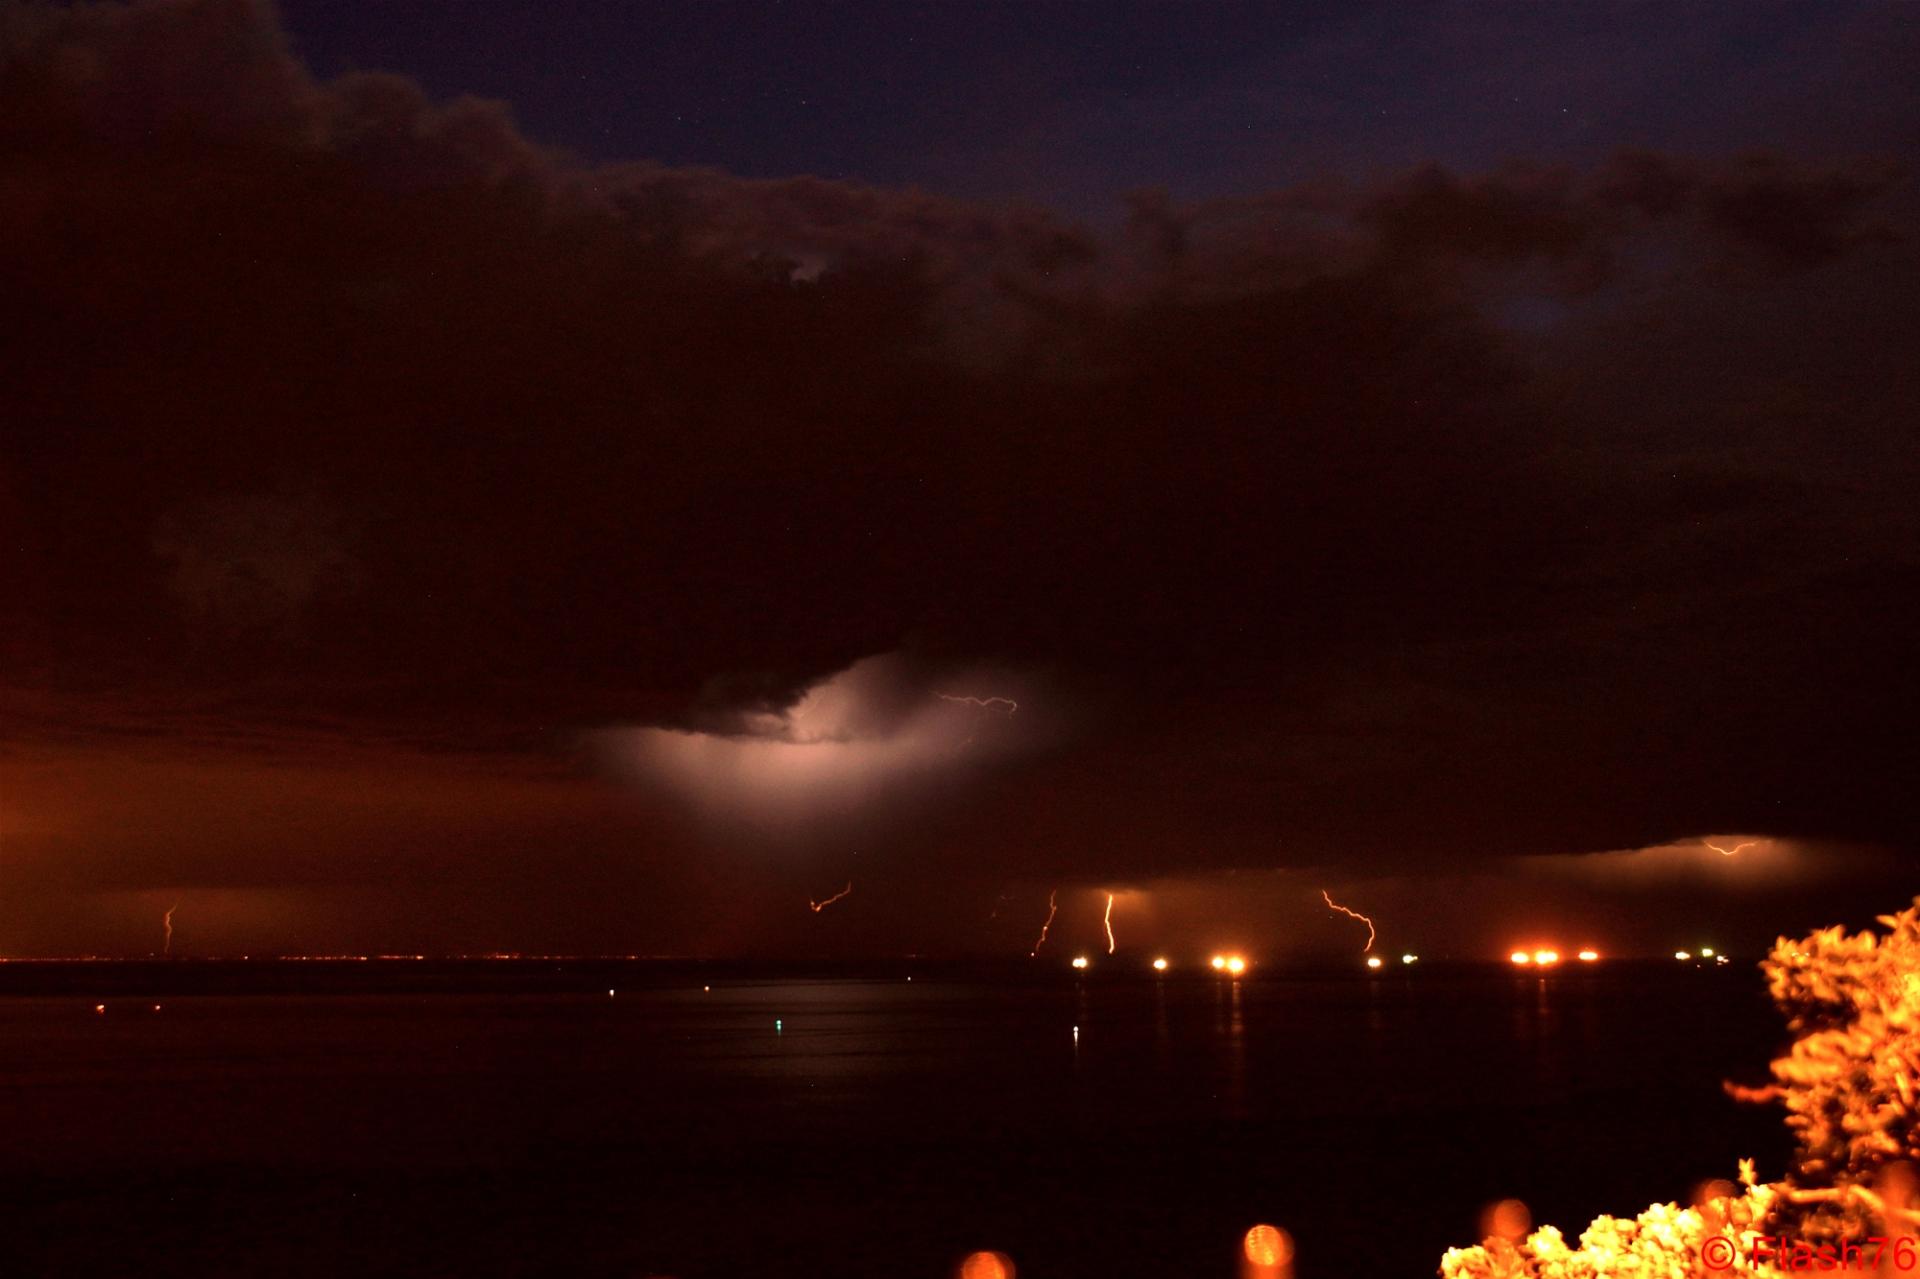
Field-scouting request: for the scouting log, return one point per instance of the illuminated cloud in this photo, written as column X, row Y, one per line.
column 864, row 743
column 342, row 416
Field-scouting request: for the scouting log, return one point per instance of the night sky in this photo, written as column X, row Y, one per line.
column 496, row 477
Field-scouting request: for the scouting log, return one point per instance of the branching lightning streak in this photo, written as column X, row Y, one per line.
column 1006, row 704
column 166, row 922
column 1356, row 915
column 1108, row 922
column 817, row 907
column 1053, row 906
column 1728, row 852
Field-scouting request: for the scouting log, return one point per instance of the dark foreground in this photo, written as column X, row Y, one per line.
column 513, row 1119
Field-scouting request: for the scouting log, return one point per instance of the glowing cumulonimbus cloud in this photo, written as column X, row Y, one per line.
column 873, row 734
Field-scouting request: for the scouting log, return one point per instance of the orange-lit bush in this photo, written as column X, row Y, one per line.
column 1848, row 1083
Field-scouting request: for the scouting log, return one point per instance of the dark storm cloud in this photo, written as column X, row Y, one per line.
column 336, row 406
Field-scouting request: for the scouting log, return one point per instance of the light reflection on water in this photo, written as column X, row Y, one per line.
column 1184, row 1108
column 850, row 1054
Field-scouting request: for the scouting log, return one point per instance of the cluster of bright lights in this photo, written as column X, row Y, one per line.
column 1233, row 965
column 1546, row 958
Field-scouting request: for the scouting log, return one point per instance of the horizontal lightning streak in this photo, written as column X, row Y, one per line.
column 1005, row 704
column 817, row 907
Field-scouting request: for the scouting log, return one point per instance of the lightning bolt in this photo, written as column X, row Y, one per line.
column 1728, row 852
column 166, row 922
column 1355, row 915
column 817, row 907
column 1053, row 906
column 1108, row 922
column 1005, row 705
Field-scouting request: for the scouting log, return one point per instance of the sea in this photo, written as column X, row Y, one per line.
column 534, row 1117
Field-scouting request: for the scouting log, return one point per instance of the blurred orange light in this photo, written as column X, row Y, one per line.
column 1588, row 956
column 1373, row 961
column 1546, row 956
column 1521, row 957
column 1267, row 1247
column 1079, row 961
column 1236, row 965
column 1509, row 1219
column 1708, row 1191
column 1219, row 962
column 1159, row 965
column 987, row 1265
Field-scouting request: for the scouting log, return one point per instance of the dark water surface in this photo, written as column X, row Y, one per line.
column 513, row 1119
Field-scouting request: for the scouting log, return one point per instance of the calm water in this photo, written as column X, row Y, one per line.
column 519, row 1121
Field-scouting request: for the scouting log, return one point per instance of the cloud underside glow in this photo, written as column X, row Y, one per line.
column 868, row 739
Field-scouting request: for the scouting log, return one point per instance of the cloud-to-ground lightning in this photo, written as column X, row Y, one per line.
column 817, row 907
column 1107, row 922
column 1005, row 705
column 1728, row 852
column 1053, row 907
column 166, row 922
column 1371, row 934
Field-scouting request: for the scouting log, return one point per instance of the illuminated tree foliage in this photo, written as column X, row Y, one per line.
column 1853, row 1004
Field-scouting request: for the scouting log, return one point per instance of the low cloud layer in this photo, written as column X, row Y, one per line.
column 1436, row 517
